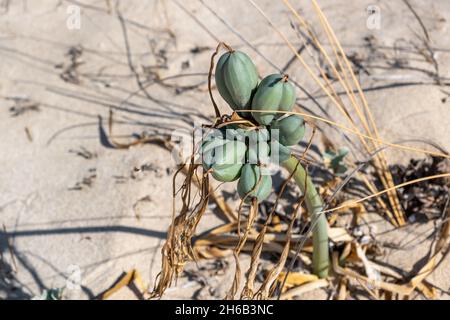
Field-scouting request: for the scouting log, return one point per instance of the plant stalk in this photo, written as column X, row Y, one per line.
column 315, row 205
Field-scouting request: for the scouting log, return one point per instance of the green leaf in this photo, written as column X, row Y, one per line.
column 51, row 294
column 335, row 161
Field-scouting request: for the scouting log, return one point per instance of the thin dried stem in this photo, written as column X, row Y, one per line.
column 211, row 67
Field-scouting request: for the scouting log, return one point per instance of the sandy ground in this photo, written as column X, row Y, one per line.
column 74, row 207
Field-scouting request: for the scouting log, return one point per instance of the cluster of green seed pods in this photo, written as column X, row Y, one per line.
column 234, row 156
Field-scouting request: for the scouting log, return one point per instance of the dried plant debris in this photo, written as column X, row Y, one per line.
column 28, row 134
column 131, row 279
column 86, row 182
column 141, row 171
column 137, row 206
column 424, row 200
column 200, row 49
column 22, row 106
column 84, row 153
column 70, row 71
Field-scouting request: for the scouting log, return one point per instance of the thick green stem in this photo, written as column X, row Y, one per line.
column 319, row 221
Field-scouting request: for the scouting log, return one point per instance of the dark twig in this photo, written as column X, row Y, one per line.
column 422, row 25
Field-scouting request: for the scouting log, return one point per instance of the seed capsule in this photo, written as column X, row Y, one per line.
column 278, row 152
column 224, row 158
column 252, row 184
column 273, row 93
column 236, row 79
column 291, row 129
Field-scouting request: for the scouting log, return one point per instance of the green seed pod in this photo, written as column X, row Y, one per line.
column 291, row 129
column 236, row 79
column 233, row 132
column 224, row 158
column 232, row 152
column 208, row 151
column 278, row 152
column 258, row 149
column 251, row 185
column 259, row 134
column 258, row 153
column 226, row 173
column 273, row 93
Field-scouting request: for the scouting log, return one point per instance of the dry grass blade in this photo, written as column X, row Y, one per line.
column 225, row 238
column 299, row 57
column 342, row 293
column 242, row 240
column 129, row 279
column 357, row 133
column 381, row 165
column 307, row 287
column 247, row 291
column 295, row 279
column 353, row 202
column 273, row 274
